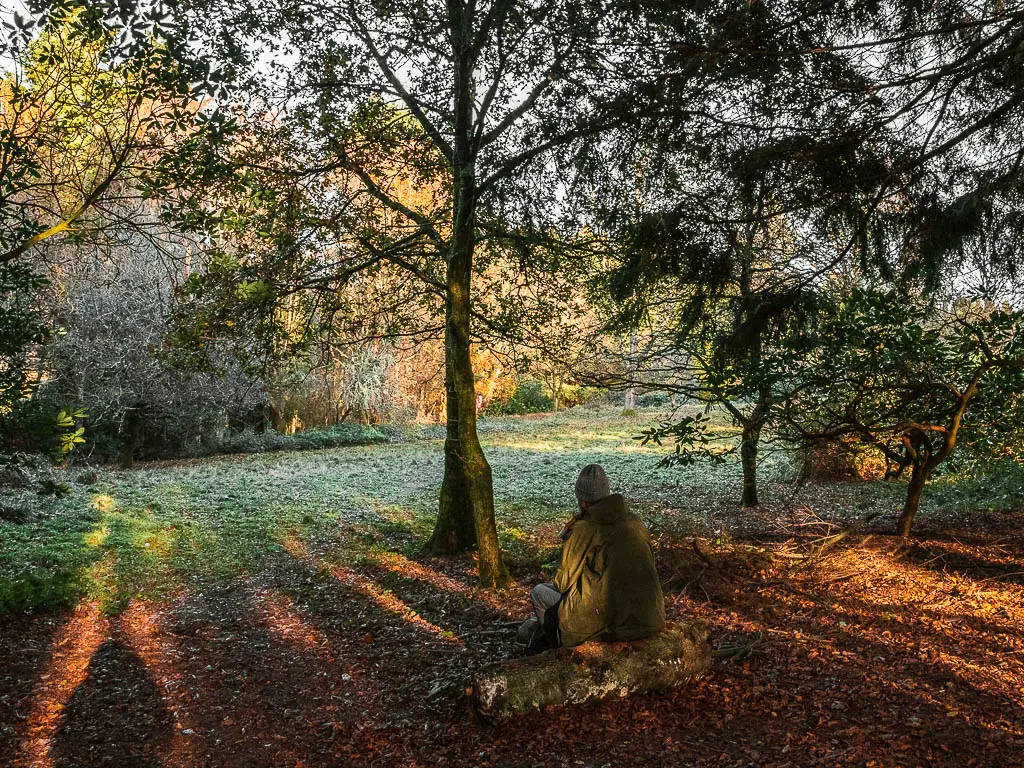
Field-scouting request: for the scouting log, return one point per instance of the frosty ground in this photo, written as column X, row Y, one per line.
column 273, row 610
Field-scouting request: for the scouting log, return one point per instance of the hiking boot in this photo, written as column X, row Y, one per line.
column 526, row 630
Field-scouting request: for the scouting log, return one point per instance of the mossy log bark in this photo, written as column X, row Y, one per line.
column 675, row 656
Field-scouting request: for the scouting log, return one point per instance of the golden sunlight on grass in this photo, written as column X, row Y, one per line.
column 96, row 538
column 73, row 646
column 580, row 441
column 531, row 446
column 102, row 503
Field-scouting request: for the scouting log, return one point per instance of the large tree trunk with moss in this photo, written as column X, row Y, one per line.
column 675, row 656
column 466, row 511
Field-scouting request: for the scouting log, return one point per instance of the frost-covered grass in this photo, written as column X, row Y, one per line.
column 156, row 531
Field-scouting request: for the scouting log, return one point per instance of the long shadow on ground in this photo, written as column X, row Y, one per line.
column 975, row 556
column 868, row 657
column 116, row 716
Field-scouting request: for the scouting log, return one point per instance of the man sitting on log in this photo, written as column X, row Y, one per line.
column 606, row 586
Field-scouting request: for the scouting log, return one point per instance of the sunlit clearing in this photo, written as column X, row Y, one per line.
column 579, row 442
column 96, row 538
column 72, row 648
column 383, row 598
column 286, row 622
column 524, row 446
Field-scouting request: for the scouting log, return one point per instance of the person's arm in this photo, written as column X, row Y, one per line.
column 647, row 537
column 574, row 552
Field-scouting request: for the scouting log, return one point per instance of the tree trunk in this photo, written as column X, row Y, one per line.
column 748, row 458
column 466, row 510
column 632, row 364
column 675, row 656
column 918, row 478
column 466, row 513
column 130, row 432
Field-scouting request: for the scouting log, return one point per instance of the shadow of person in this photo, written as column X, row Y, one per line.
column 116, row 717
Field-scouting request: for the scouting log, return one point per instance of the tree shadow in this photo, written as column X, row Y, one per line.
column 24, row 650
column 312, row 666
column 116, row 717
column 972, row 557
column 311, row 669
column 251, row 689
column 319, row 660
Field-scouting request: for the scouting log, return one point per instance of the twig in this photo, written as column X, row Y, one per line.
column 702, row 556
column 696, row 579
column 830, row 541
column 1002, row 576
column 838, row 579
column 738, row 651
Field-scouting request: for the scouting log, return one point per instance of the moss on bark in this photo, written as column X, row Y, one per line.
column 565, row 676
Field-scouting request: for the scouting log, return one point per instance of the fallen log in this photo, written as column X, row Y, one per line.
column 676, row 655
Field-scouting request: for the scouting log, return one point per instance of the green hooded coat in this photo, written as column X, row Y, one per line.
column 610, row 587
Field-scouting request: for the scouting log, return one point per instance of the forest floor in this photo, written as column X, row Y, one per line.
column 271, row 611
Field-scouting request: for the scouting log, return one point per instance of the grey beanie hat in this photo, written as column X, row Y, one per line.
column 592, row 484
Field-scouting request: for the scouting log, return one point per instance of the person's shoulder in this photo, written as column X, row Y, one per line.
column 584, row 526
column 636, row 522
column 628, row 515
column 579, row 527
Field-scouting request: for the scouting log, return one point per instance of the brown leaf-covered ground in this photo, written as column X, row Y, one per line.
column 875, row 653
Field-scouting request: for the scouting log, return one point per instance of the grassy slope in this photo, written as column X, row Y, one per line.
column 155, row 531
